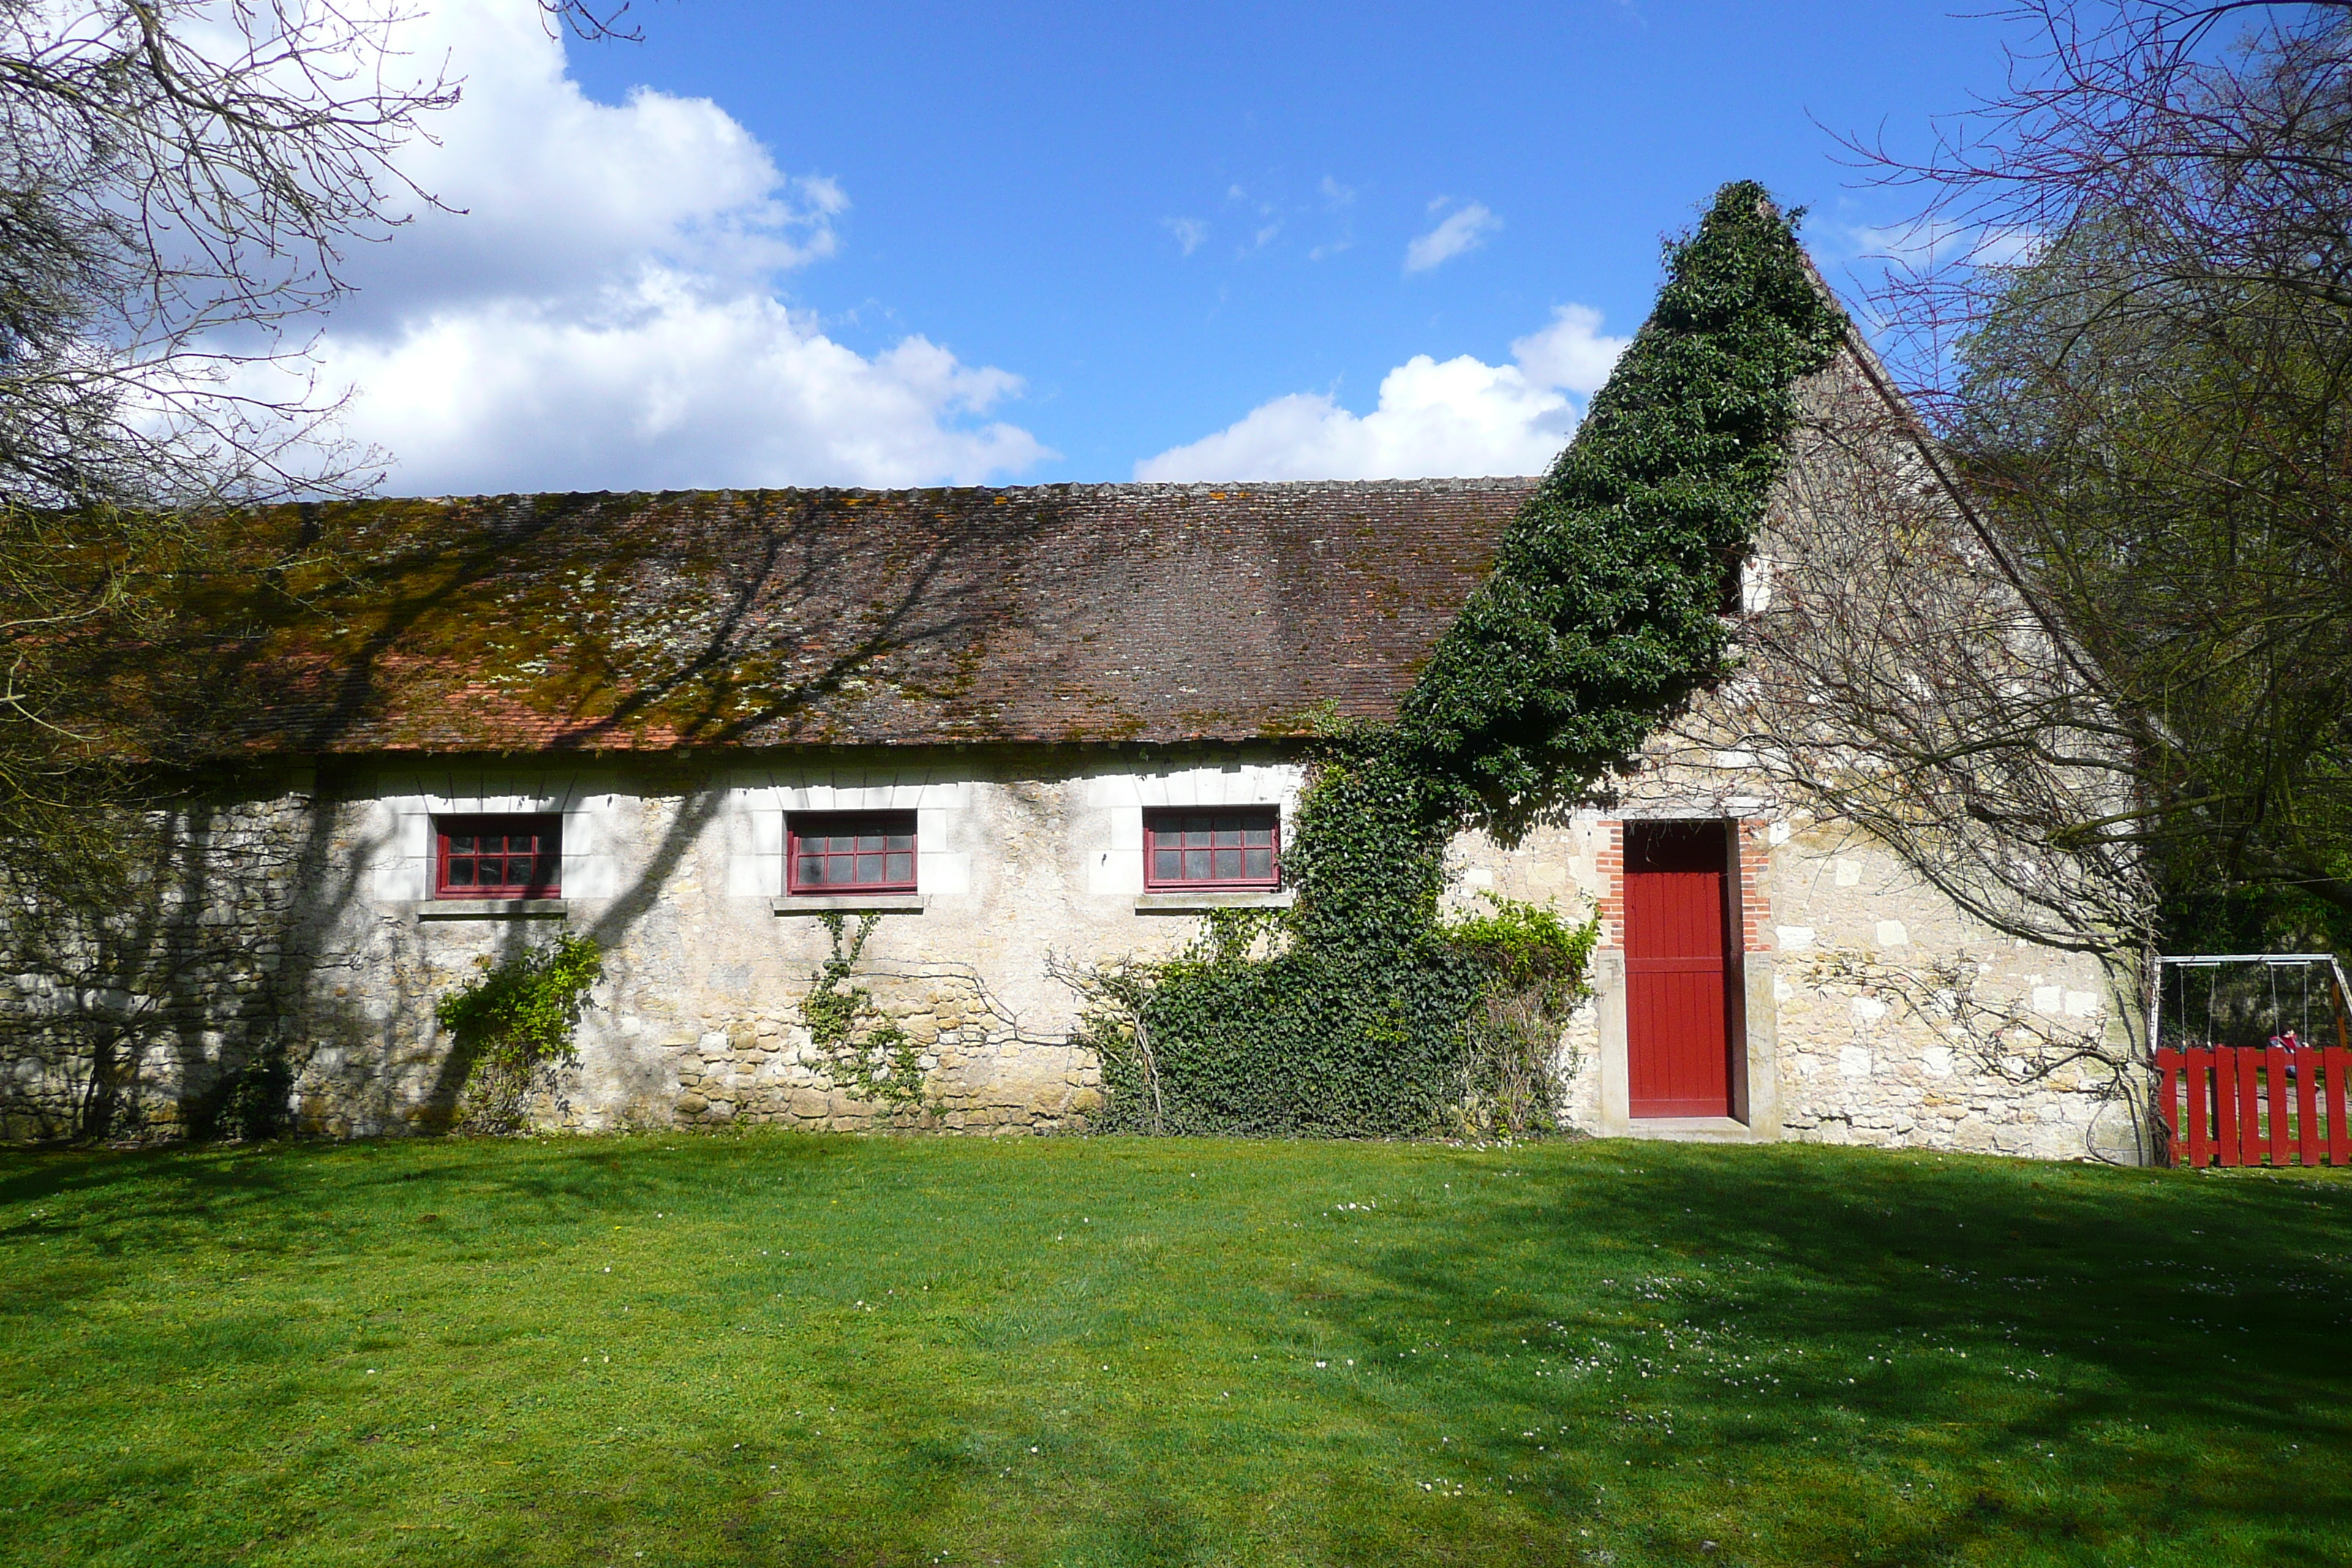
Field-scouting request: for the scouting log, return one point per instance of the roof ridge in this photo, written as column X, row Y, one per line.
column 1440, row 485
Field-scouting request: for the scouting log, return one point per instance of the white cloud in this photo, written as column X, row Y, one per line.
column 1460, row 418
column 656, row 385
column 1463, row 231
column 600, row 312
column 1571, row 352
column 1188, row 232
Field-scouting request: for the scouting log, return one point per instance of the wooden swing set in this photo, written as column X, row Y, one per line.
column 2280, row 1102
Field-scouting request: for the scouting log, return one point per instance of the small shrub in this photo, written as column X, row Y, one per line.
column 512, row 1027
column 250, row 1104
column 1512, row 1074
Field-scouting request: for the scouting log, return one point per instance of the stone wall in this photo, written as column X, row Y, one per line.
column 1877, row 1012
column 979, row 1076
column 129, row 1006
column 293, row 926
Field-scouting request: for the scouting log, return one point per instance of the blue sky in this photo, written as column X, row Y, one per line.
column 865, row 244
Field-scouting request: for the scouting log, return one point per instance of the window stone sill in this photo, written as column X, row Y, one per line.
column 851, row 904
column 491, row 909
column 1201, row 903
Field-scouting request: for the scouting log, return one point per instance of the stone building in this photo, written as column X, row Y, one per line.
column 1002, row 721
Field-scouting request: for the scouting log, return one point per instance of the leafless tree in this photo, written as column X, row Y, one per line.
column 180, row 182
column 1894, row 678
column 2124, row 308
column 2222, row 127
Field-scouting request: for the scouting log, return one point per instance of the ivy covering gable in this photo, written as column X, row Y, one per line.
column 1602, row 614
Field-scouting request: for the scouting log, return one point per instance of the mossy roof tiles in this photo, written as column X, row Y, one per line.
column 1055, row 614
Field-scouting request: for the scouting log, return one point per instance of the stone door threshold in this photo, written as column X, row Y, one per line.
column 1693, row 1129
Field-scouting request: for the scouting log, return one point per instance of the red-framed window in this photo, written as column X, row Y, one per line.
column 849, row 852
column 498, row 857
column 1224, row 846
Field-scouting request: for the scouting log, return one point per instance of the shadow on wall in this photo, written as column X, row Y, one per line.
column 182, row 985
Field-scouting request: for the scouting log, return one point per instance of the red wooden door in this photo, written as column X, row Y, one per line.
column 1677, row 1017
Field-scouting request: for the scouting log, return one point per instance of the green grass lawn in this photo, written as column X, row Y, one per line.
column 790, row 1348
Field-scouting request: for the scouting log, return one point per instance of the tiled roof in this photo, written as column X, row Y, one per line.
column 1055, row 613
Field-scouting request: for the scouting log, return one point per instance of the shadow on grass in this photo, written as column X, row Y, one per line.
column 2170, row 1335
column 569, row 1177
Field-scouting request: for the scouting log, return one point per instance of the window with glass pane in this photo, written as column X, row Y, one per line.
column 1233, row 846
column 498, row 857
column 850, row 852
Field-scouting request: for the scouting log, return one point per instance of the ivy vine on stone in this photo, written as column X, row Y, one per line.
column 864, row 1051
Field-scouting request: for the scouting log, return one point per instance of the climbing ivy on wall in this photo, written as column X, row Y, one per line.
column 866, row 1053
column 512, row 1025
column 1602, row 615
column 1362, row 1011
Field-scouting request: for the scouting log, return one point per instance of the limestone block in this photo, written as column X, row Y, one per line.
column 692, row 1105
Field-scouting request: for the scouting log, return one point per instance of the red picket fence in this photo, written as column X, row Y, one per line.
column 2243, row 1102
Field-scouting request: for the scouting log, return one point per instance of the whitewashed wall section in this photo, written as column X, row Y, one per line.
column 408, row 803
column 760, row 798
column 1108, row 829
column 1116, row 802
